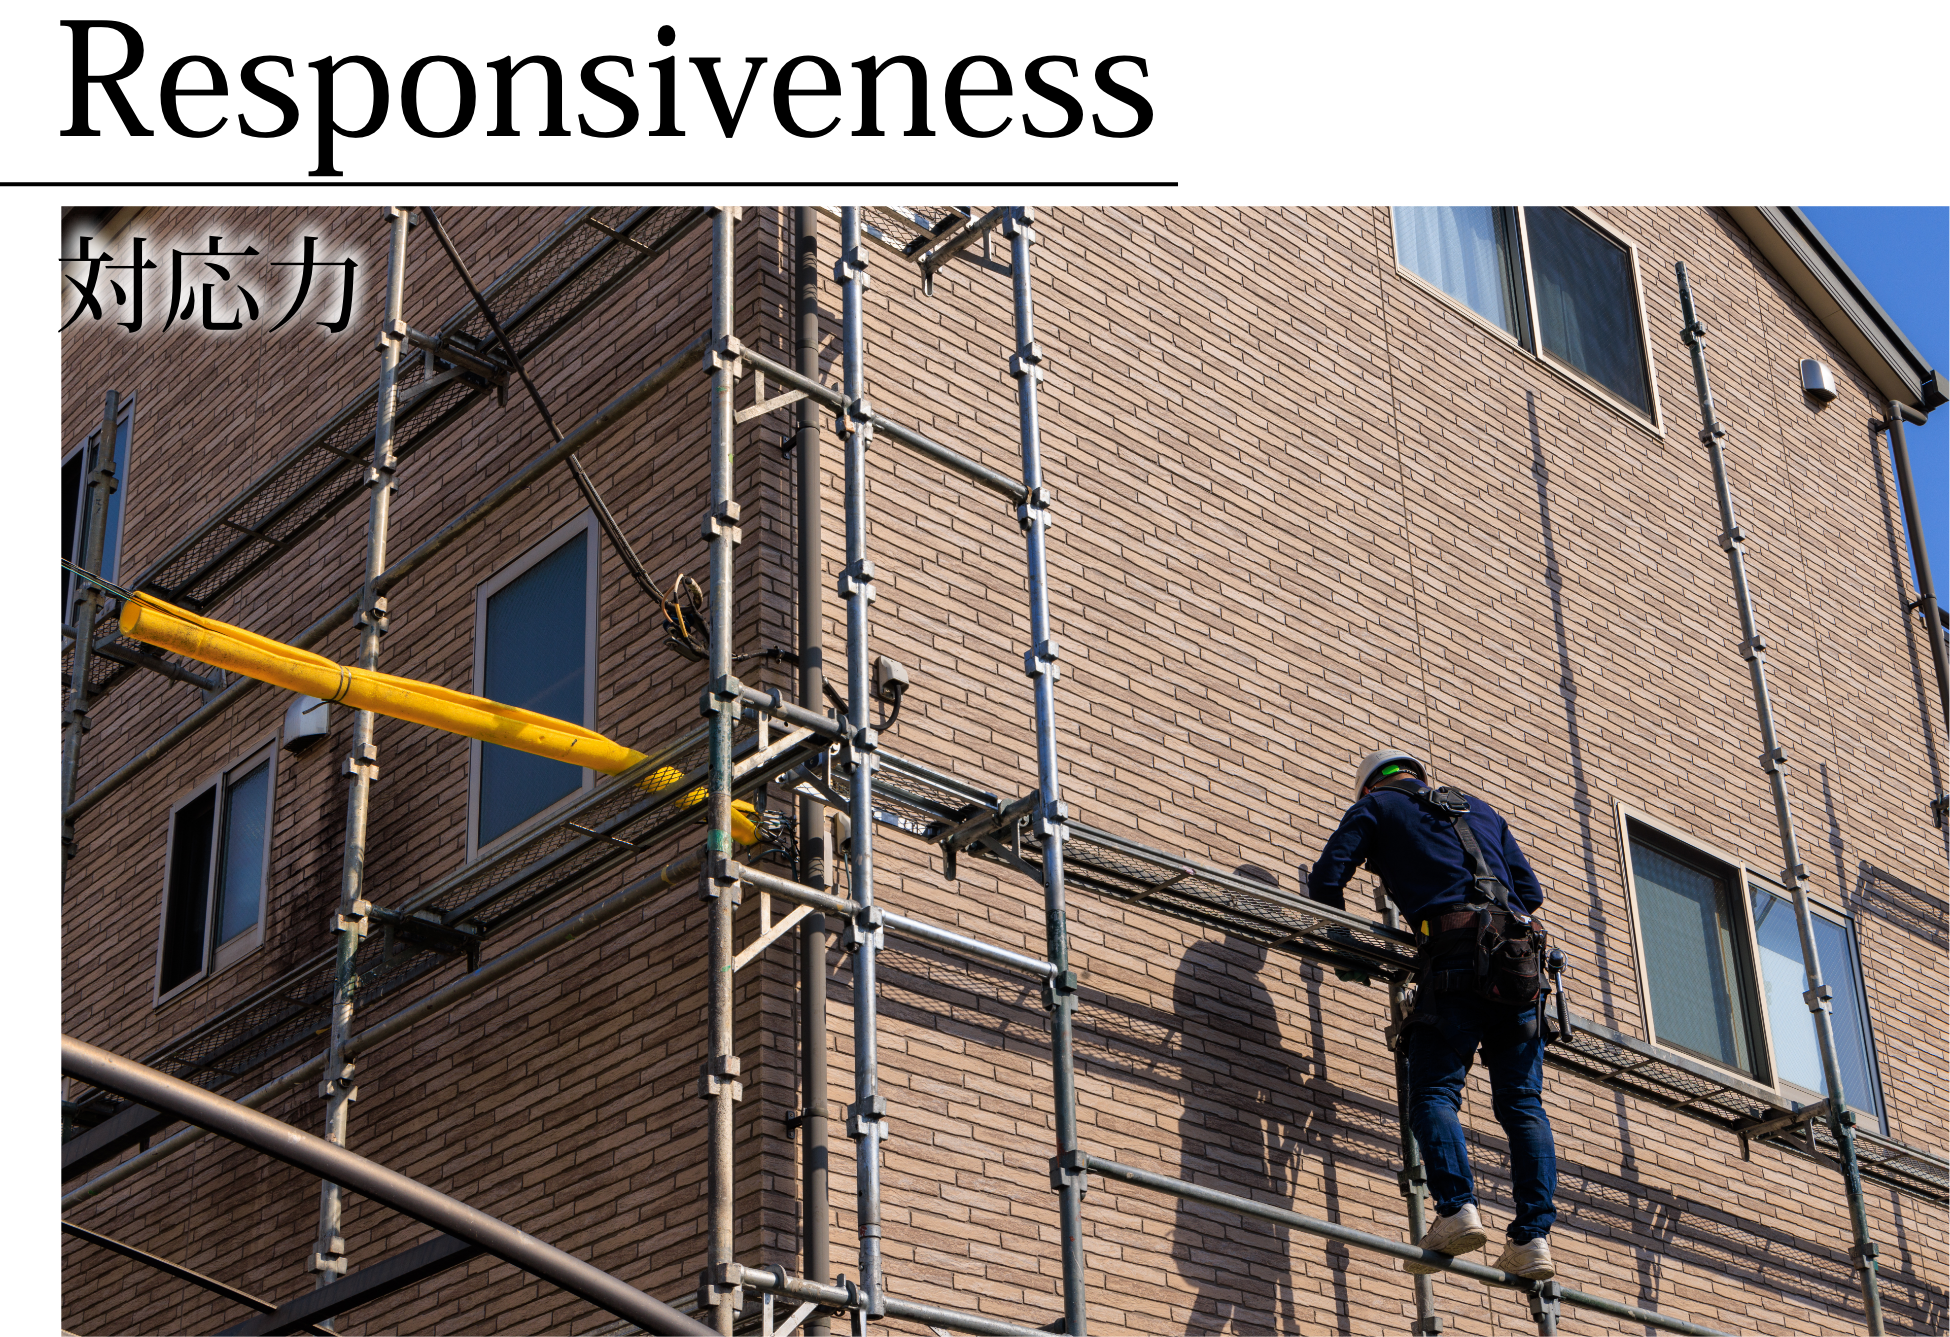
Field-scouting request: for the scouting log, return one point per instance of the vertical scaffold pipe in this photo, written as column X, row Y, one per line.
column 337, row 1086
column 1414, row 1174
column 1039, row 663
column 720, row 1086
column 85, row 609
column 866, row 1117
column 814, row 860
column 1926, row 603
column 1773, row 760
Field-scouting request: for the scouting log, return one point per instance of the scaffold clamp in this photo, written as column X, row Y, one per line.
column 1042, row 659
column 861, row 1113
column 719, row 1282
column 1818, row 999
column 1058, row 988
column 719, row 875
column 1038, row 502
column 868, row 924
column 718, row 1075
column 726, row 353
column 722, row 521
column 719, row 695
column 1070, row 1167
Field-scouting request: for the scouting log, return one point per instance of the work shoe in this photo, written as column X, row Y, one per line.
column 1530, row 1260
column 1461, row 1232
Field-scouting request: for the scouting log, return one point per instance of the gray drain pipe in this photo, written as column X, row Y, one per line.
column 1773, row 760
column 1925, row 582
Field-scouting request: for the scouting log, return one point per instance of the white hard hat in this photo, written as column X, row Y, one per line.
column 1375, row 760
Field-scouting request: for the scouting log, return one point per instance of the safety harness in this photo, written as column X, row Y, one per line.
column 1508, row 946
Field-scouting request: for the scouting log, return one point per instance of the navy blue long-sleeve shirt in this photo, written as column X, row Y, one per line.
column 1414, row 850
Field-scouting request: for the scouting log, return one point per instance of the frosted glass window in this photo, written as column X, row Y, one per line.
column 1797, row 1056
column 246, row 819
column 1696, row 965
column 534, row 655
column 1468, row 251
column 1587, row 307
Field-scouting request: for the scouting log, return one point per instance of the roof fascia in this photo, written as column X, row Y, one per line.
column 1783, row 234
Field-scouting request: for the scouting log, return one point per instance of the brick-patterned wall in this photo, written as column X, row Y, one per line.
column 1305, row 507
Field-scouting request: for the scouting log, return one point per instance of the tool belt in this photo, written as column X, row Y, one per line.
column 1507, row 946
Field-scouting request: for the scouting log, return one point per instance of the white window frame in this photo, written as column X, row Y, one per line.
column 1824, row 908
column 124, row 412
column 219, row 957
column 1652, row 421
column 1628, row 817
column 546, row 547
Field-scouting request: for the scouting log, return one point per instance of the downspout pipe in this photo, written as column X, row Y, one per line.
column 1773, row 760
column 1919, row 554
column 814, row 859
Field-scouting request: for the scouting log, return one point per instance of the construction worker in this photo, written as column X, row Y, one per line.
column 1472, row 989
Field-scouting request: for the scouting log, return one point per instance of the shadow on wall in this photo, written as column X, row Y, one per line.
column 1308, row 1136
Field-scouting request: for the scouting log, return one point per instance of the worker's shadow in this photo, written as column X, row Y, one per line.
column 1236, row 1134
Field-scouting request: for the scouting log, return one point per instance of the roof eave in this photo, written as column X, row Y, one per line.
column 1838, row 299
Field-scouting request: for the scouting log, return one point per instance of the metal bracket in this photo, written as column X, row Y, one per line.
column 1818, row 1000
column 1035, row 506
column 868, row 924
column 857, row 578
column 725, row 352
column 1546, row 1305
column 725, row 693
column 722, row 520
column 374, row 617
column 1049, row 818
column 715, row 1283
column 1070, row 1167
column 1027, row 361
column 424, row 929
column 718, row 876
column 1059, row 988
column 760, row 405
column 855, row 416
column 1042, row 659
column 353, row 921
column 1753, row 647
column 1733, row 538
column 863, row 1112
column 718, row 1075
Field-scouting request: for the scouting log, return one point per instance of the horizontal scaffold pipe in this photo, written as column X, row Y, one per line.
column 772, row 703
column 1361, row 1239
column 564, row 933
column 586, row 434
column 972, row 470
column 776, row 1280
column 899, row 925
column 429, row 1206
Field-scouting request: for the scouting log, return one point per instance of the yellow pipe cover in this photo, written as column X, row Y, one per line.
column 149, row 619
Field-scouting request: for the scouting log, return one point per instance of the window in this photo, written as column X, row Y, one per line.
column 1797, row 1057
column 534, row 647
column 1545, row 276
column 75, row 467
column 1695, row 955
column 218, row 865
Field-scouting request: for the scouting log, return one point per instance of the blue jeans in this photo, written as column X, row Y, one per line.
column 1445, row 1034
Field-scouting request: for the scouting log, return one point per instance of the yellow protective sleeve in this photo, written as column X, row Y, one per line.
column 208, row 641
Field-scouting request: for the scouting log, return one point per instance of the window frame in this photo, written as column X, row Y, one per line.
column 536, row 553
column 124, row 413
column 1651, row 419
column 215, row 957
column 1841, row 918
column 1740, row 877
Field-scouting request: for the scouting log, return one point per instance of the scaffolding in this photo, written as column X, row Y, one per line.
column 754, row 739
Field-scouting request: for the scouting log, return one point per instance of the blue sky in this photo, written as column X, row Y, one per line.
column 1903, row 257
